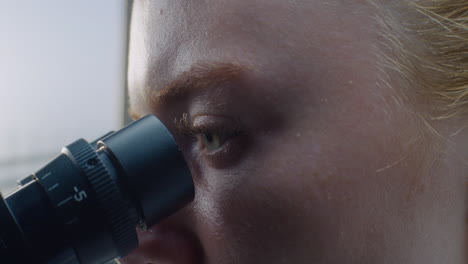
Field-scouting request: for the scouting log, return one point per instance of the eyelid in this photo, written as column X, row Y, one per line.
column 229, row 153
column 207, row 124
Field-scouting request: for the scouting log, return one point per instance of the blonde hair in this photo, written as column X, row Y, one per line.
column 424, row 48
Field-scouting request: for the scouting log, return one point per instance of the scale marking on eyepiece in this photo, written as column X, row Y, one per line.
column 53, row 187
column 65, row 201
column 47, row 175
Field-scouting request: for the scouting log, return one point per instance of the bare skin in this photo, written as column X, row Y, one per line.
column 323, row 166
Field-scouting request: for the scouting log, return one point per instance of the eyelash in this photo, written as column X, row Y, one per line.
column 232, row 133
column 185, row 128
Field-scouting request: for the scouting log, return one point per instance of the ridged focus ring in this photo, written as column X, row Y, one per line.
column 108, row 195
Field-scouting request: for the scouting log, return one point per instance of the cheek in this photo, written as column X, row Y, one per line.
column 263, row 216
column 265, row 207
column 307, row 188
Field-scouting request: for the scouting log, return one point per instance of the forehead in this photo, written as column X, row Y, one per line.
column 167, row 36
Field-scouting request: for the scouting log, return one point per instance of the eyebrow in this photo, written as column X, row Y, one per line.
column 199, row 77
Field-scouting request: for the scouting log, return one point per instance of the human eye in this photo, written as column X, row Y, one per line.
column 212, row 141
column 217, row 140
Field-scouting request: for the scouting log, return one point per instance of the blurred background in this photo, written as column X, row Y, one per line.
column 62, row 77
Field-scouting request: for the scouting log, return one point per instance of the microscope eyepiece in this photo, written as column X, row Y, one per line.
column 84, row 205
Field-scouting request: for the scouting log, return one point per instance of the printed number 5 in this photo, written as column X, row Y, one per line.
column 79, row 195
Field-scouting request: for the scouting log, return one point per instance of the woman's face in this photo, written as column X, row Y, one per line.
column 297, row 154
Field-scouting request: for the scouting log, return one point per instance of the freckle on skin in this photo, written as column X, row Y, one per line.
column 160, row 11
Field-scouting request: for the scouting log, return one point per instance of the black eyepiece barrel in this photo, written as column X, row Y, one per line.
column 84, row 205
column 154, row 168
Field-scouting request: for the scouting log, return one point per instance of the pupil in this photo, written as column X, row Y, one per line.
column 209, row 138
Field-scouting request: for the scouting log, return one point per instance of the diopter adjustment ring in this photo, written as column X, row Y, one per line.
column 109, row 197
